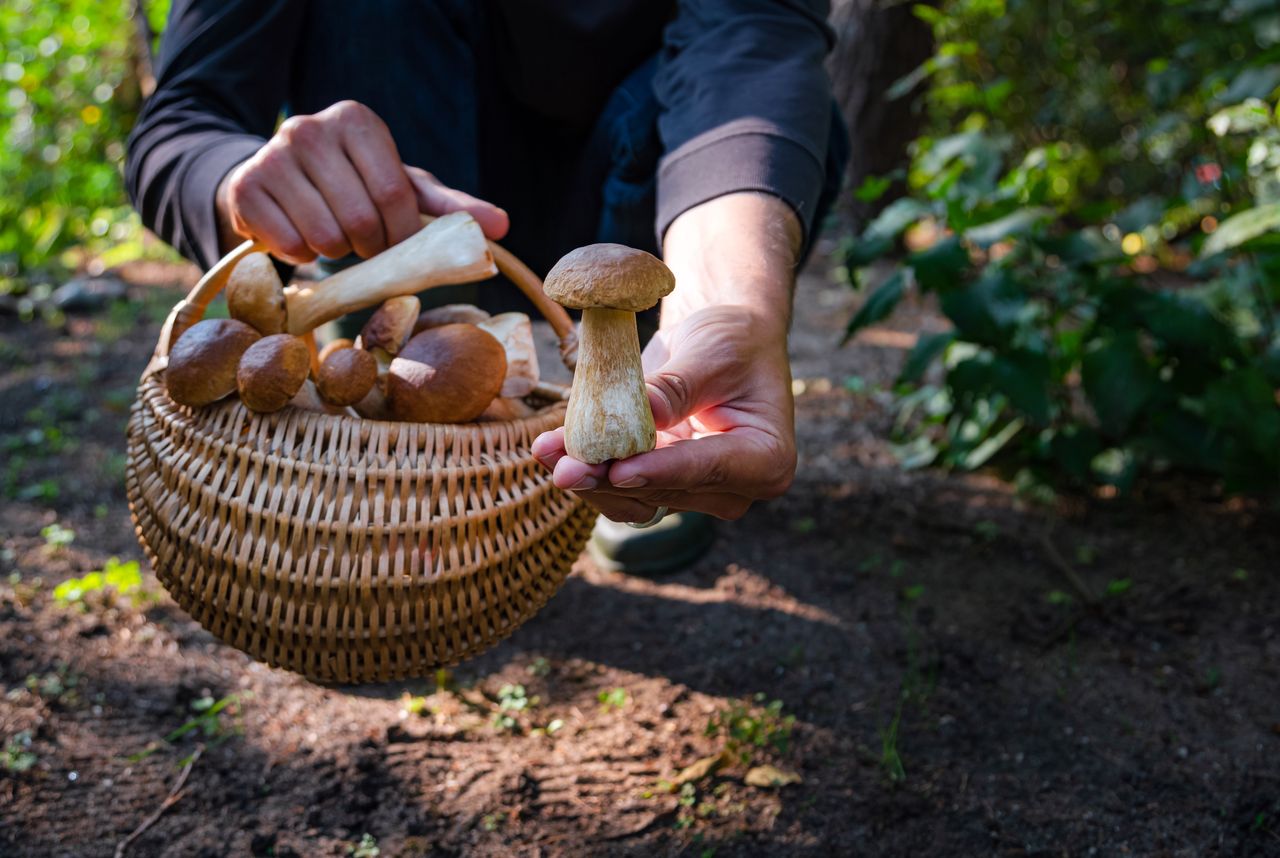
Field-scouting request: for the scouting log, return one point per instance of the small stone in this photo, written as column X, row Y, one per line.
column 89, row 294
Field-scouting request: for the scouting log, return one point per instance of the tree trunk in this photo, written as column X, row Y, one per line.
column 879, row 41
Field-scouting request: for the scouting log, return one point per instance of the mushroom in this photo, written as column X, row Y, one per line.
column 448, row 374
column 609, row 415
column 255, row 294
column 331, row 347
column 308, row 399
column 272, row 371
column 450, row 314
column 347, row 376
column 504, row 409
column 202, row 363
column 382, row 337
column 515, row 332
column 451, row 249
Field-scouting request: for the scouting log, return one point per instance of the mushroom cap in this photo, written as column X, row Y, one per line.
column 202, row 363
column 611, row 276
column 333, row 346
column 346, row 376
column 255, row 294
column 271, row 371
column 515, row 332
column 390, row 327
column 448, row 374
column 450, row 314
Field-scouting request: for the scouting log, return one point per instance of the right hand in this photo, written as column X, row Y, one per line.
column 332, row 183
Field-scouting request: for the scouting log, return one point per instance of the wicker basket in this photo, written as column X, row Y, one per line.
column 349, row 550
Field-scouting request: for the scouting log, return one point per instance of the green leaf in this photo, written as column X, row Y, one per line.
column 993, row 444
column 879, row 303
column 896, row 217
column 1248, row 116
column 1118, row 380
column 940, row 267
column 986, row 310
column 1023, row 377
column 1015, row 223
column 927, row 349
column 1239, row 228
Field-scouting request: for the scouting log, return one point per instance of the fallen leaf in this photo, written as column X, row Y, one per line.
column 700, row 769
column 768, row 777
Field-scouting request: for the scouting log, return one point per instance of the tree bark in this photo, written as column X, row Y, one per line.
column 879, row 41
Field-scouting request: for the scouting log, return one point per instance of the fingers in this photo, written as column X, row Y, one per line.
column 742, row 462
column 437, row 199
column 368, row 144
column 254, row 213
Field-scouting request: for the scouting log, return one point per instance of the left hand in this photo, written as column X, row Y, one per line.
column 720, row 388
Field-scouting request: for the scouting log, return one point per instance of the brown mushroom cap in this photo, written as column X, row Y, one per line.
column 271, row 371
column 450, row 314
column 611, row 276
column 331, row 347
column 448, row 374
column 202, row 363
column 255, row 294
column 346, row 376
column 390, row 327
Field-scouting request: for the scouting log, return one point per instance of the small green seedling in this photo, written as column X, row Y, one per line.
column 366, row 848
column 57, row 537
column 1119, row 586
column 512, row 700
column 17, row 756
column 122, row 578
column 540, row 667
column 614, row 699
column 748, row 728
column 492, row 821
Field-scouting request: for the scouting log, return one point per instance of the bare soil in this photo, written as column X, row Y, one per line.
column 970, row 673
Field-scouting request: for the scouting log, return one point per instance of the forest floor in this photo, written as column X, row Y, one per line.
column 957, row 670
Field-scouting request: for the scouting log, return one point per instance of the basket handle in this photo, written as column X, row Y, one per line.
column 191, row 309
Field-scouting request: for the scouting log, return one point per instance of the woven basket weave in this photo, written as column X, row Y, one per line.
column 349, row 550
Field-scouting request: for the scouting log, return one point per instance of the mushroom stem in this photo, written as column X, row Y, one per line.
column 609, row 415
column 451, row 249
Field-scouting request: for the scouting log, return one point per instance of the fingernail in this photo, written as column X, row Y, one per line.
column 632, row 483
column 585, row 484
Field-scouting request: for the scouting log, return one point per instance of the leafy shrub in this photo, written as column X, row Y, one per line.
column 69, row 93
column 1098, row 222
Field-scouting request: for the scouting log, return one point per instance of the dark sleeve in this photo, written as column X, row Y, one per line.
column 221, row 81
column 745, row 103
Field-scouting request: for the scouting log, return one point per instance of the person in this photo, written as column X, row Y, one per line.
column 704, row 130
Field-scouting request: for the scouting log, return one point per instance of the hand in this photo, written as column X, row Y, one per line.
column 720, row 388
column 332, row 183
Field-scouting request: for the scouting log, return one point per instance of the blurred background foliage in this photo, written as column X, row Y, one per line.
column 1094, row 203
column 71, row 79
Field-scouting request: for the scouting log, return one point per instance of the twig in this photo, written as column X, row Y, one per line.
column 1060, row 563
column 170, row 800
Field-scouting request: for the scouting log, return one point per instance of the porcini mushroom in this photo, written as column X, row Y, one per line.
column 202, row 363
column 450, row 314
column 346, row 376
column 255, row 294
column 272, row 371
column 333, row 346
column 448, row 374
column 382, row 337
column 609, row 415
column 451, row 249
column 515, row 332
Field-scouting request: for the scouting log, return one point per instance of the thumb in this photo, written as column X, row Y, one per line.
column 437, row 199
column 676, row 392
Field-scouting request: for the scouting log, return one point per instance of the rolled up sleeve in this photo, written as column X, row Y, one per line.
column 745, row 104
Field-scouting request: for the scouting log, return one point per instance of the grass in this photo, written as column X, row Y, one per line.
column 612, row 699
column 17, row 756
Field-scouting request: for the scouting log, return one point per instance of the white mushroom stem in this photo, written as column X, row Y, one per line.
column 451, row 249
column 609, row 415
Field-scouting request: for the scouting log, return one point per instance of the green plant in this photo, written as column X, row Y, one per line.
column 57, row 686
column 57, row 537
column 124, row 579
column 366, row 848
column 612, row 699
column 69, row 92
column 1097, row 219
column 512, row 700
column 17, row 756
column 748, row 727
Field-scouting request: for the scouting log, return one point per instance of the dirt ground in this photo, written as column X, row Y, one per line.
column 969, row 673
